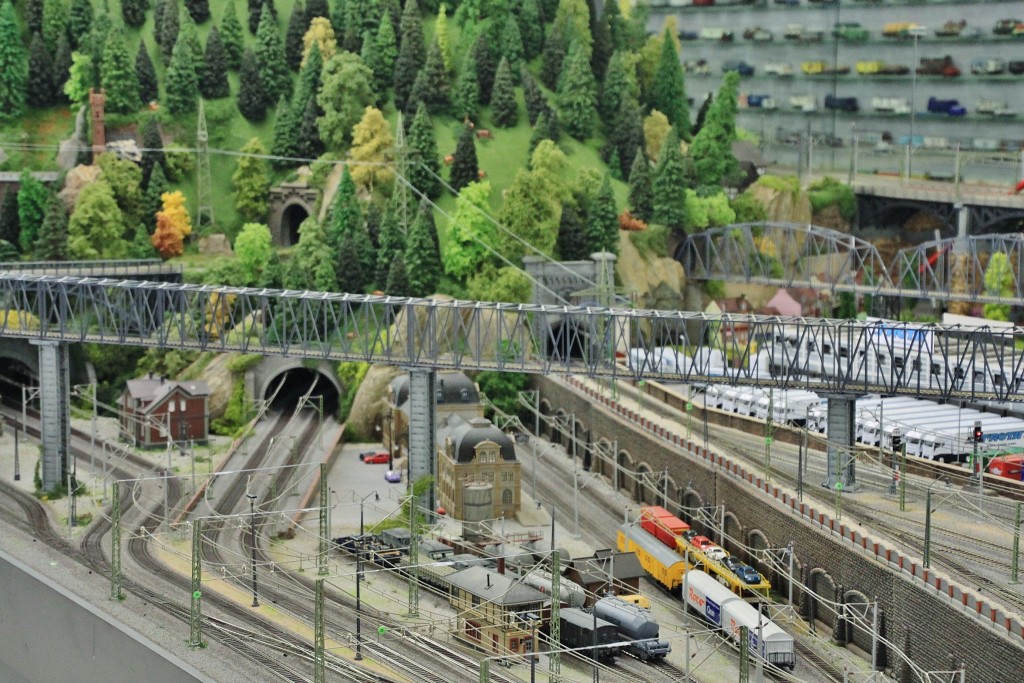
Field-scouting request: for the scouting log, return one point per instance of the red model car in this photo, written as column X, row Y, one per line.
column 375, row 458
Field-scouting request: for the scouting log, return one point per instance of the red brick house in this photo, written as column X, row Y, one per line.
column 155, row 410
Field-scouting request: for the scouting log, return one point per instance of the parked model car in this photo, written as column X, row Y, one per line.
column 758, row 35
column 938, row 66
column 848, row 104
column 987, row 67
column 950, row 107
column 739, row 66
column 783, row 70
column 699, row 67
column 744, row 572
column 851, row 31
column 760, row 101
column 951, row 29
column 375, row 458
column 1016, row 67
column 393, row 477
column 1005, row 27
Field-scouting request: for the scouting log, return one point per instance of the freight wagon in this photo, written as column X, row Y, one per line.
column 581, row 629
column 636, row 625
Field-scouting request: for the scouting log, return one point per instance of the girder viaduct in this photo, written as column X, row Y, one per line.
column 987, row 210
column 798, row 255
column 425, row 335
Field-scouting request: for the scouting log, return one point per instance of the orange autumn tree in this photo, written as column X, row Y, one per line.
column 173, row 225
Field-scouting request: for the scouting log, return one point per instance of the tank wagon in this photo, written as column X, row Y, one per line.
column 571, row 594
column 580, row 629
column 636, row 625
column 728, row 613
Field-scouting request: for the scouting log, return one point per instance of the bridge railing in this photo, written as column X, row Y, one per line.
column 103, row 268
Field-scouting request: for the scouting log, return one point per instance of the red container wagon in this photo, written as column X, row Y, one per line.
column 662, row 524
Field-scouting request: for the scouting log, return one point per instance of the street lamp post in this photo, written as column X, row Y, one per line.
column 252, row 539
column 359, row 576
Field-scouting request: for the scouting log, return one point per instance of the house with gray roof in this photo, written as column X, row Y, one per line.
column 156, row 410
column 496, row 612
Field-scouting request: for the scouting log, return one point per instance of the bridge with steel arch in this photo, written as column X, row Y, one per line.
column 426, row 335
column 800, row 255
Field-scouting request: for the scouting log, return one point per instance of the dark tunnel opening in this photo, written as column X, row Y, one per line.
column 13, row 376
column 290, row 222
column 295, row 383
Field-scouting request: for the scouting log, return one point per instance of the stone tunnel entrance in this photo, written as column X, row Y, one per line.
column 290, row 222
column 290, row 204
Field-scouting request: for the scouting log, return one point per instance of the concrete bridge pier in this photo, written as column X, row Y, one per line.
column 422, row 429
column 841, row 460
column 54, row 409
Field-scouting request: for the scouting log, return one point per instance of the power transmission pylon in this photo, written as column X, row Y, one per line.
column 401, row 193
column 204, row 189
column 195, row 616
column 115, row 543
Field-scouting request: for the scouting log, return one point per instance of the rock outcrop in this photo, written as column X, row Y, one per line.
column 655, row 282
column 783, row 206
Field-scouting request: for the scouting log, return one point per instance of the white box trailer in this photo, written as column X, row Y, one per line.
column 876, row 433
column 728, row 613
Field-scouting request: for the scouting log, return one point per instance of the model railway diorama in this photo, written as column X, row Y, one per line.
column 503, row 587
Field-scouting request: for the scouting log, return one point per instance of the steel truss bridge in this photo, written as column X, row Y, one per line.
column 934, row 360
column 797, row 255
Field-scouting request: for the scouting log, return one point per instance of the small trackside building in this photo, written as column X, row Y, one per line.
column 597, row 573
column 156, row 410
column 496, row 612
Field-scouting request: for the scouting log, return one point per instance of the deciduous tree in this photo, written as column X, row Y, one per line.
column 96, row 226
column 470, row 231
column 145, row 73
column 465, row 168
column 118, row 76
column 320, row 33
column 504, row 107
column 214, row 83
column 345, row 94
column 253, row 248
column 372, row 151
column 13, row 65
column 998, row 283
column 173, row 225
column 529, row 214
column 656, row 128
column 251, row 182
column 125, row 180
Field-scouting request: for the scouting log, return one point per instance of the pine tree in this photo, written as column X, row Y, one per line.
column 535, row 100
column 182, row 82
column 55, row 22
column 411, row 54
column 619, row 83
column 13, row 65
column 571, row 243
column 40, row 74
column 531, row 29
column 504, row 107
column 702, row 114
column 252, row 98
column 354, row 268
column 309, row 79
column 270, row 58
column 668, row 89
column 346, row 216
column 81, row 15
column 33, row 198
column 152, row 145
column 431, row 86
column 547, row 128
column 298, row 22
column 310, row 145
column 603, row 220
column 486, row 66
column 641, row 197
column 145, row 74
column 442, row 38
column 337, row 17
column 380, row 55
column 169, row 27
column 159, row 9
column 627, row 134
column 423, row 165
column 255, row 13
column 465, row 168
column 393, row 10
column 390, row 245
column 552, row 58
column 669, row 182
column 711, row 150
column 317, row 8
column 52, row 242
column 422, row 258
column 466, row 94
column 232, row 37
column 398, row 277
column 511, row 45
column 118, row 76
column 214, row 82
column 617, row 31
column 286, row 136
column 61, row 70
column 576, row 94
column 601, row 50
column 153, row 196
column 198, row 9
column 189, row 32
column 97, row 42
column 34, row 16
column 10, row 226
